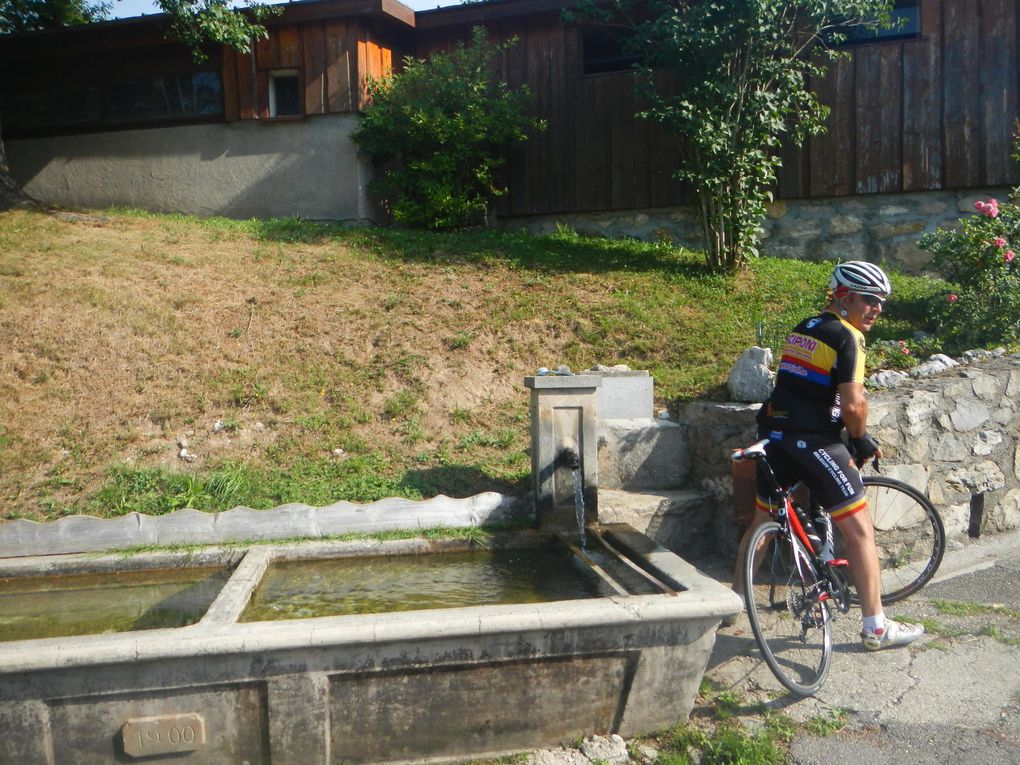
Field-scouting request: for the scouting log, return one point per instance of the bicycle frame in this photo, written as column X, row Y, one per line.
column 783, row 513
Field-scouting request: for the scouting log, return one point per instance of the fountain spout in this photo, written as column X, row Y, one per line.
column 570, row 459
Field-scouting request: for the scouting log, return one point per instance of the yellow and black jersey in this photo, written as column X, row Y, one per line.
column 820, row 353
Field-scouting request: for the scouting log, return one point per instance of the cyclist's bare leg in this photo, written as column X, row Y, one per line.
column 859, row 535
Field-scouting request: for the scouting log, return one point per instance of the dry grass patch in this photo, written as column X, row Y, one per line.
column 315, row 363
column 124, row 335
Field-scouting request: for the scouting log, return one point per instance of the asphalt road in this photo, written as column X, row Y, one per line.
column 953, row 697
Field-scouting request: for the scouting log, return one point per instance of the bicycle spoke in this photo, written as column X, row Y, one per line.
column 909, row 536
column 789, row 622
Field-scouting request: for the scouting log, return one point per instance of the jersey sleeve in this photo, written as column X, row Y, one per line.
column 851, row 356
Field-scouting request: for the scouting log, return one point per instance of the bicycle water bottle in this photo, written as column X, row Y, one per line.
column 809, row 528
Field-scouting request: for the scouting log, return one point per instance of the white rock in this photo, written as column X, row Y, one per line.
column 937, row 364
column 609, row 749
column 218, row 426
column 185, row 455
column 986, row 442
column 887, row 378
column 751, row 379
column 646, row 753
column 558, row 757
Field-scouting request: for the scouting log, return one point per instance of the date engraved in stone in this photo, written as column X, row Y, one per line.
column 163, row 734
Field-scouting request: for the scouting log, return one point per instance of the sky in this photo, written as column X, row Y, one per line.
column 125, row 9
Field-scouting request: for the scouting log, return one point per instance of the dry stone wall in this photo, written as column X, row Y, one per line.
column 955, row 435
column 882, row 228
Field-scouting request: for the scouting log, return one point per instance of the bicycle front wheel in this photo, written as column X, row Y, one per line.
column 909, row 534
column 789, row 621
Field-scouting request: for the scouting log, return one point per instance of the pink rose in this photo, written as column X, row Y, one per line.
column 952, row 298
column 1009, row 255
column 989, row 208
column 999, row 242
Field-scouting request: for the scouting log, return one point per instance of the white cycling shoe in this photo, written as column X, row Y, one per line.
column 894, row 634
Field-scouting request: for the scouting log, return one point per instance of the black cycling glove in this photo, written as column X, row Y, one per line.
column 862, row 449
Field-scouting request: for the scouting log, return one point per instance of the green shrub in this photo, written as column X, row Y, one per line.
column 438, row 132
column 978, row 257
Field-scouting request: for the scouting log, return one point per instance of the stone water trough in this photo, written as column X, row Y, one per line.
column 431, row 684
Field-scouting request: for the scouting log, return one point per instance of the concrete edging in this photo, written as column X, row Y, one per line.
column 83, row 533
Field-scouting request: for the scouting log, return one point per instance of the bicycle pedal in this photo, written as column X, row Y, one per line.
column 837, row 563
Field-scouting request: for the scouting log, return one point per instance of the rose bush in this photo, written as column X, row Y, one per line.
column 977, row 256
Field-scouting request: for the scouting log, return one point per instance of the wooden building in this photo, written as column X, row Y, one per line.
column 932, row 108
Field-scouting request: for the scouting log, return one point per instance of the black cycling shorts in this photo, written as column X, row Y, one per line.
column 825, row 467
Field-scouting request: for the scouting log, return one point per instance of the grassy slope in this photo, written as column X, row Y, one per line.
column 340, row 364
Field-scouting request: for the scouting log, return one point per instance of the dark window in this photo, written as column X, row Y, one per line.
column 605, row 51
column 57, row 108
column 166, row 97
column 906, row 23
column 284, row 93
column 138, row 100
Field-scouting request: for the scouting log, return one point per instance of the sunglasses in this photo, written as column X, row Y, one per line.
column 872, row 300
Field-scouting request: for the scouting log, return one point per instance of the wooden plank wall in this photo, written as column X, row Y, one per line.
column 934, row 112
column 594, row 154
column 333, row 57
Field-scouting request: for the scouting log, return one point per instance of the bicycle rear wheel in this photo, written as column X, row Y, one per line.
column 909, row 534
column 789, row 621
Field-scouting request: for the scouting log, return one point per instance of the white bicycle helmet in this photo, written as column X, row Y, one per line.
column 861, row 277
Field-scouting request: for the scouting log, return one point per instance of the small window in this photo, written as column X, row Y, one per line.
column 906, row 23
column 605, row 50
column 284, row 93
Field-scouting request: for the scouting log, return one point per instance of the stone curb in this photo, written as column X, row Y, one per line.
column 83, row 533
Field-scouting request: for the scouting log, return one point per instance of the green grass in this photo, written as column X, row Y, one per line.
column 827, row 724
column 969, row 608
column 972, row 608
column 354, row 370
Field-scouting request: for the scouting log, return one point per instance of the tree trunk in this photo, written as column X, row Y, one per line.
column 11, row 194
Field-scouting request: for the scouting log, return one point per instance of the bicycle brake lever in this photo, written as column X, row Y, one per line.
column 874, row 464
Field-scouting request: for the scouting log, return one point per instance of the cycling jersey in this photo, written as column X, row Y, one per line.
column 820, row 353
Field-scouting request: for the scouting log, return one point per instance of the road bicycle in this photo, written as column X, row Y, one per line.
column 795, row 580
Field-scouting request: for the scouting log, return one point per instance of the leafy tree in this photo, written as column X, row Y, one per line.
column 195, row 23
column 438, row 132
column 30, row 15
column 742, row 69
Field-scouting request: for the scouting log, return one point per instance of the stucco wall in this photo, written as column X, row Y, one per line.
column 307, row 168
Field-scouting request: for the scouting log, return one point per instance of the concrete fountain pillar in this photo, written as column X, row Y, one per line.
column 564, row 446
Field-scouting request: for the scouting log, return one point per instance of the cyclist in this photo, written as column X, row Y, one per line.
column 819, row 391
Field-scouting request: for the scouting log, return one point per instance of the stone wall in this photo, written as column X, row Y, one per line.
column 881, row 228
column 956, row 436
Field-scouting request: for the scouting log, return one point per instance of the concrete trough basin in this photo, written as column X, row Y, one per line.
column 439, row 684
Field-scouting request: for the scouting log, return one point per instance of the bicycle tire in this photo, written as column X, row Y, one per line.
column 909, row 534
column 789, row 622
